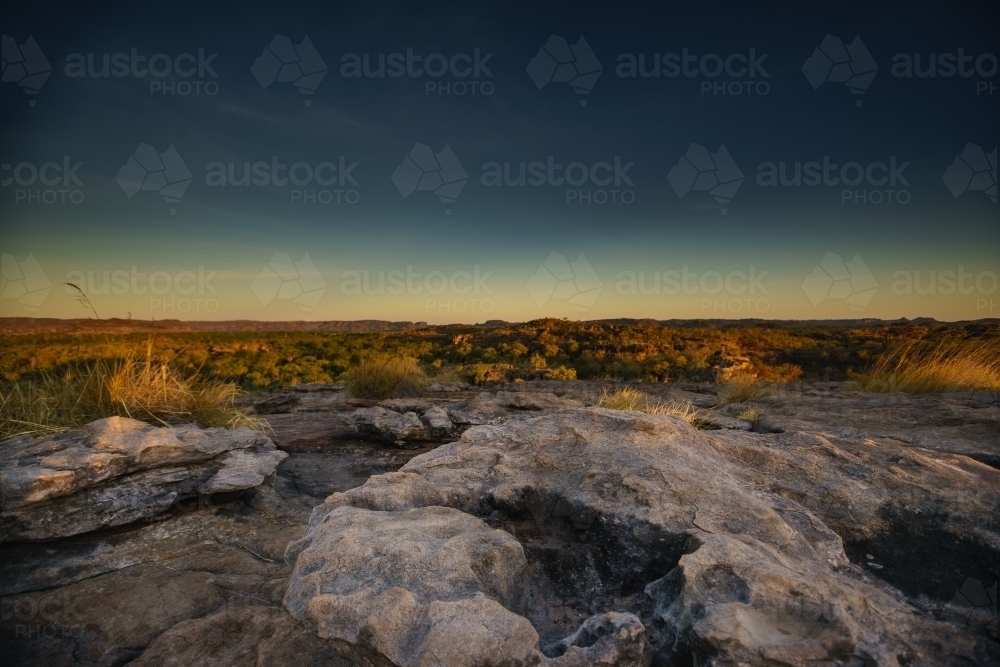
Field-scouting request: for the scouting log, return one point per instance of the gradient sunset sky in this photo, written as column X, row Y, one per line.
column 653, row 249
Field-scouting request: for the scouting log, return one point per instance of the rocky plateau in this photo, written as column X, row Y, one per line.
column 513, row 525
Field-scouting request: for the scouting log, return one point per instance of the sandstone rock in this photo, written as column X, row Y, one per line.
column 437, row 422
column 448, row 387
column 281, row 403
column 103, row 598
column 523, row 400
column 965, row 423
column 719, row 420
column 728, row 548
column 433, row 586
column 115, row 471
column 237, row 636
column 412, row 404
column 202, row 587
column 310, row 429
column 388, row 424
column 397, row 583
column 492, row 408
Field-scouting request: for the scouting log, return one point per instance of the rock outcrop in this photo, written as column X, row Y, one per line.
column 966, row 423
column 115, row 471
column 642, row 538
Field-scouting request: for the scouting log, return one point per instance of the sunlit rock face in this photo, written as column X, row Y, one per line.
column 626, row 538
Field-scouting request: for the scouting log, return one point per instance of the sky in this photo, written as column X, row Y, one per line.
column 381, row 147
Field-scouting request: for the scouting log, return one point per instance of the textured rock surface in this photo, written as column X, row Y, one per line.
column 843, row 540
column 115, row 471
column 434, row 586
column 388, row 425
column 240, row 635
column 965, row 423
column 727, row 547
column 202, row 587
column 492, row 408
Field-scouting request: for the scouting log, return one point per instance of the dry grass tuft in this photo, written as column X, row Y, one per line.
column 386, row 377
column 631, row 399
column 742, row 388
column 920, row 367
column 751, row 414
column 130, row 385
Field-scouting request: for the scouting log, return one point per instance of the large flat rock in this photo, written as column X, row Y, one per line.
column 715, row 547
column 115, row 471
column 966, row 423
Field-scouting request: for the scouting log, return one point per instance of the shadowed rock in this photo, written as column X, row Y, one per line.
column 115, row 471
column 722, row 545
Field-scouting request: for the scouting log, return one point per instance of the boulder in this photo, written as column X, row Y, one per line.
column 433, row 586
column 437, row 422
column 388, row 425
column 717, row 547
column 115, row 471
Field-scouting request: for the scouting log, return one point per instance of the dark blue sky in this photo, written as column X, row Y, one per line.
column 647, row 223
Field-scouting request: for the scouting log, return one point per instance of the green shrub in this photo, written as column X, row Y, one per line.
column 563, row 373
